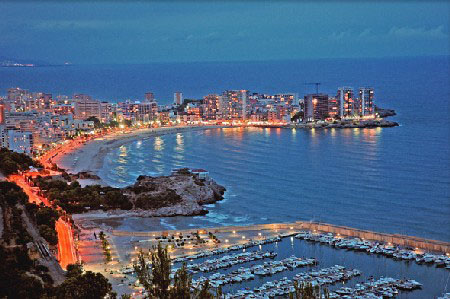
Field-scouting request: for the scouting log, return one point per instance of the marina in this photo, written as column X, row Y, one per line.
column 264, row 261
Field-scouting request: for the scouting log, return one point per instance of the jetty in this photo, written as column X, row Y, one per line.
column 319, row 227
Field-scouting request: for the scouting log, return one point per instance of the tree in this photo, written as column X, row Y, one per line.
column 204, row 291
column 89, row 285
column 182, row 284
column 307, row 291
column 156, row 278
column 96, row 121
column 74, row 270
column 127, row 123
column 48, row 234
column 157, row 281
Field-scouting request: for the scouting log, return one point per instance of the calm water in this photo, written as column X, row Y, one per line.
column 435, row 280
column 392, row 180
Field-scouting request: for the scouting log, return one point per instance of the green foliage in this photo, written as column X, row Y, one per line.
column 75, row 199
column 97, row 123
column 46, row 216
column 127, row 123
column 155, row 277
column 106, row 247
column 182, row 284
column 74, row 270
column 49, row 234
column 204, row 292
column 14, row 282
column 89, row 285
column 12, row 162
column 156, row 201
column 307, row 291
column 113, row 124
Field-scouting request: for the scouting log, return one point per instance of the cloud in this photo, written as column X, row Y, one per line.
column 408, row 32
column 68, row 24
column 337, row 36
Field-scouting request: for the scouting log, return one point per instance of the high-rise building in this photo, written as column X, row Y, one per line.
column 86, row 107
column 333, row 107
column 2, row 114
column 346, row 102
column 316, row 107
column 3, row 136
column 233, row 104
column 178, row 98
column 149, row 96
column 366, row 101
column 106, row 111
column 211, row 104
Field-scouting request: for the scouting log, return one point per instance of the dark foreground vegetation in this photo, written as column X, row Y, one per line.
column 12, row 162
column 22, row 275
column 76, row 199
column 155, row 278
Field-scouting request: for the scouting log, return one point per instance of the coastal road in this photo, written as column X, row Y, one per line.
column 66, row 248
column 66, row 245
column 32, row 195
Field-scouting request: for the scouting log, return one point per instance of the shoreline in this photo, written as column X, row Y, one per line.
column 90, row 156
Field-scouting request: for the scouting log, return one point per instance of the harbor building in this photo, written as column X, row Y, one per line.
column 346, row 102
column 316, row 107
column 366, row 101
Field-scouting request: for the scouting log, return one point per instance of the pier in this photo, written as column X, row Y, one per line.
column 344, row 231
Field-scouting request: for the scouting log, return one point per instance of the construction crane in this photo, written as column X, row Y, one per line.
column 316, row 84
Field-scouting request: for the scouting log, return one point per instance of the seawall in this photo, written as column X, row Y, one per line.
column 344, row 231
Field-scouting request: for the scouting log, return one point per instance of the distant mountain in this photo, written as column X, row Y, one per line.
column 16, row 62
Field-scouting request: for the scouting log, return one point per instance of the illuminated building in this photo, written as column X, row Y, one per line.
column 137, row 111
column 233, row 104
column 19, row 141
column 211, row 105
column 348, row 107
column 178, row 98
column 106, row 111
column 333, row 107
column 86, row 107
column 366, row 101
column 3, row 136
column 2, row 114
column 316, row 107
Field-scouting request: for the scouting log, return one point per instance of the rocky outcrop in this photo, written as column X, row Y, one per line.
column 181, row 193
column 385, row 112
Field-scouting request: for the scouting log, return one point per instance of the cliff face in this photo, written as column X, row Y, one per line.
column 182, row 193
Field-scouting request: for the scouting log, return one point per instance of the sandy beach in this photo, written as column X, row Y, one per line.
column 90, row 156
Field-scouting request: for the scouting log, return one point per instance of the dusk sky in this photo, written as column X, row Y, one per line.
column 139, row 32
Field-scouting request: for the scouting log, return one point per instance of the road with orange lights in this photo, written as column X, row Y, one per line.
column 32, row 194
column 66, row 245
column 66, row 249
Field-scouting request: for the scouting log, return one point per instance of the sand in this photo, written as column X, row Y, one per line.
column 90, row 157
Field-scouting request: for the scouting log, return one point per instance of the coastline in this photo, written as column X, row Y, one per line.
column 90, row 156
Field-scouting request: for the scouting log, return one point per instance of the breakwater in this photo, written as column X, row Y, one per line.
column 344, row 231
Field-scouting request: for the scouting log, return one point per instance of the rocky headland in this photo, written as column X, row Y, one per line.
column 182, row 193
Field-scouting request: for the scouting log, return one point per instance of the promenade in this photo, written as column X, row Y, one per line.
column 280, row 228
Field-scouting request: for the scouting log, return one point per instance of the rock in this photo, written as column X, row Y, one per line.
column 181, row 193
